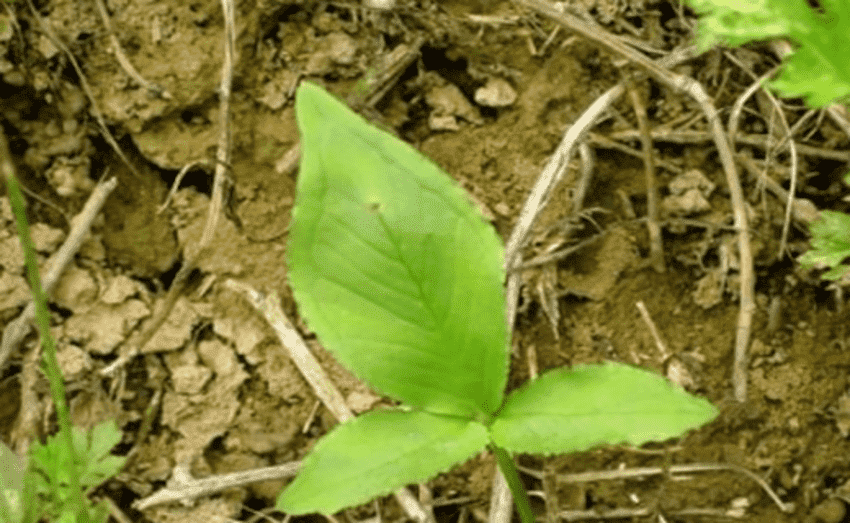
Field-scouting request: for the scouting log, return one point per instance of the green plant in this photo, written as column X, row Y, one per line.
column 49, row 483
column 817, row 70
column 41, row 486
column 401, row 278
column 830, row 245
column 91, row 461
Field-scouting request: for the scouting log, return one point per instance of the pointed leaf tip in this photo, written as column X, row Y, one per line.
column 567, row 410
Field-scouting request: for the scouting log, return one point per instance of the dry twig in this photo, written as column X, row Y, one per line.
column 104, row 130
column 123, row 61
column 734, row 118
column 804, row 210
column 193, row 253
column 681, row 83
column 603, row 142
column 609, row 475
column 653, row 330
column 760, row 141
column 56, row 265
column 500, row 504
column 183, row 487
column 656, row 248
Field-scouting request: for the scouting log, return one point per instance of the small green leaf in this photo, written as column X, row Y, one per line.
column 816, row 70
column 94, row 451
column 377, row 453
column 52, row 466
column 392, row 267
column 733, row 22
column 571, row 410
column 830, row 244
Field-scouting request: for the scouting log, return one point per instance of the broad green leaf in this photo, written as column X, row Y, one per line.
column 817, row 70
column 377, row 453
column 571, row 410
column 392, row 267
column 830, row 244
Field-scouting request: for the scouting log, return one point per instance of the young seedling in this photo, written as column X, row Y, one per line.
column 49, row 484
column 401, row 279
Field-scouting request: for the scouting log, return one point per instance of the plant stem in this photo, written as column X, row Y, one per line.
column 77, row 500
column 506, row 465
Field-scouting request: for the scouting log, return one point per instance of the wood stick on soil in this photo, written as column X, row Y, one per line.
column 656, row 247
column 690, row 468
column 84, row 83
column 500, row 500
column 552, row 172
column 689, row 86
column 732, row 126
column 183, row 487
column 56, row 265
column 653, row 330
column 193, row 253
column 753, row 140
column 125, row 62
column 804, row 209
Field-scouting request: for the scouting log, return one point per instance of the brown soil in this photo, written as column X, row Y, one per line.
column 228, row 397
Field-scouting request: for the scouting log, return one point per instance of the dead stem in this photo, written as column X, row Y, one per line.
column 124, row 62
column 193, row 253
column 681, row 83
column 56, row 265
column 734, row 118
column 84, row 83
column 656, row 248
column 609, row 475
column 760, row 141
column 500, row 501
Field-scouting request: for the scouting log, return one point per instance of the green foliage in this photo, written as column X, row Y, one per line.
column 72, row 460
column 830, row 245
column 377, row 453
column 43, row 488
column 91, row 461
column 402, row 280
column 574, row 409
column 817, row 70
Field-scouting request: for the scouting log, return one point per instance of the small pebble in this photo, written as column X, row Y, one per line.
column 496, row 93
column 830, row 511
